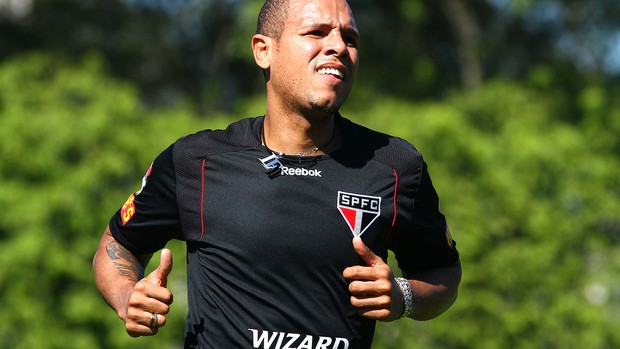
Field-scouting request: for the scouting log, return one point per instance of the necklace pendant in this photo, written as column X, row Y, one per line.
column 272, row 161
column 272, row 165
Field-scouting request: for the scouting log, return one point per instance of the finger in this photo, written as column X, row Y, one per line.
column 149, row 296
column 138, row 330
column 158, row 301
column 377, row 308
column 371, row 259
column 154, row 320
column 144, row 323
column 380, row 314
column 370, row 301
column 159, row 276
column 370, row 288
column 365, row 273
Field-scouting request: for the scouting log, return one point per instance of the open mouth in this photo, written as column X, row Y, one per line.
column 331, row 71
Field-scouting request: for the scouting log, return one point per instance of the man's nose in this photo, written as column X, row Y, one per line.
column 335, row 44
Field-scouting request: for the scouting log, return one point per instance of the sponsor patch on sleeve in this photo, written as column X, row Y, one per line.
column 128, row 209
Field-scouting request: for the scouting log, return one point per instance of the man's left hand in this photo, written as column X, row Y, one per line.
column 374, row 291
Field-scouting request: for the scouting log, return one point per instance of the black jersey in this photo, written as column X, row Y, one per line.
column 266, row 252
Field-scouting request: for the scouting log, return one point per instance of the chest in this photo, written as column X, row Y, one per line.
column 313, row 208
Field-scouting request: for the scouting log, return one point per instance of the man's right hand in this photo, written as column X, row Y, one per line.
column 150, row 300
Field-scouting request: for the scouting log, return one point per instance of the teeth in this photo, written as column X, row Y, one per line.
column 331, row 71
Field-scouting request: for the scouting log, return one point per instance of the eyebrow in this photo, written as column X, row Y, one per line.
column 349, row 30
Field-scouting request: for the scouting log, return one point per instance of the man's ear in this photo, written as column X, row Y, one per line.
column 261, row 47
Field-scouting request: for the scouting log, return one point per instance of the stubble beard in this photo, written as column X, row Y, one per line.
column 327, row 107
column 311, row 104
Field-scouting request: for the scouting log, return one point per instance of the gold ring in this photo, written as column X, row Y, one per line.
column 153, row 322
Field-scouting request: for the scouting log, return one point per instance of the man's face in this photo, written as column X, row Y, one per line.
column 314, row 62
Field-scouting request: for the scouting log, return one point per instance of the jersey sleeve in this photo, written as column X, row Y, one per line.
column 425, row 241
column 150, row 217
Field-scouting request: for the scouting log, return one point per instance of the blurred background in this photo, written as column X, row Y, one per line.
column 513, row 103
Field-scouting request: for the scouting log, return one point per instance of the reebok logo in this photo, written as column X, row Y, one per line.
column 283, row 340
column 290, row 171
column 274, row 168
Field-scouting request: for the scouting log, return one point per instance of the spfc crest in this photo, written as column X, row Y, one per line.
column 359, row 211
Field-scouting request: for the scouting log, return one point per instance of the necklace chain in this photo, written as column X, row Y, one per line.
column 304, row 153
column 300, row 154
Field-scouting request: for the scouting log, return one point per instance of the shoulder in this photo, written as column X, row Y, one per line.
column 237, row 136
column 394, row 152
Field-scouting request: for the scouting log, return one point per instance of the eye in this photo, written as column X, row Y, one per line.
column 351, row 40
column 351, row 37
column 316, row 33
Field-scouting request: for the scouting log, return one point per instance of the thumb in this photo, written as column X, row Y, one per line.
column 371, row 259
column 159, row 276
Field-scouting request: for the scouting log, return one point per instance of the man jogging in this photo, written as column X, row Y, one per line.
column 288, row 217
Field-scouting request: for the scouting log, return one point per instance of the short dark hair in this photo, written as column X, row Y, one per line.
column 271, row 18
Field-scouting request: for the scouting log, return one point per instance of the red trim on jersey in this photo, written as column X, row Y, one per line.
column 202, row 200
column 394, row 218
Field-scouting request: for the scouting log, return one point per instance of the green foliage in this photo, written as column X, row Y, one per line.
column 531, row 196
column 74, row 144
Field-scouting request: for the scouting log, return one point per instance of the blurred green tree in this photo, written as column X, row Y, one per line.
column 200, row 50
column 74, row 143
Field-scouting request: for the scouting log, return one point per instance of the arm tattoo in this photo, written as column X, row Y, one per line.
column 125, row 262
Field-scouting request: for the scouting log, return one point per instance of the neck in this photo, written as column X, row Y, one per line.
column 300, row 135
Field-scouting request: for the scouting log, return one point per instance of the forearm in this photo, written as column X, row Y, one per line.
column 434, row 291
column 116, row 272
